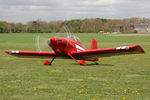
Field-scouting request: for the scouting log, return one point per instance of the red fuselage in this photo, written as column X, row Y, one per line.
column 64, row 46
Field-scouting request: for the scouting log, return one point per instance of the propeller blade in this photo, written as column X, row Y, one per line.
column 41, row 43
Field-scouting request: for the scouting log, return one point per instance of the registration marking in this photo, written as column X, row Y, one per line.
column 123, row 48
column 14, row 51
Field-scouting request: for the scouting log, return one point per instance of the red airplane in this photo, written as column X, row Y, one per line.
column 71, row 47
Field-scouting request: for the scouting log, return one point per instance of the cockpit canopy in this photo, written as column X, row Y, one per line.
column 75, row 38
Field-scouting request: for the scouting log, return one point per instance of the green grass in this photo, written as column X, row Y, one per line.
column 115, row 78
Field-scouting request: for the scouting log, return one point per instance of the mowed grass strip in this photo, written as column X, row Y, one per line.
column 115, row 78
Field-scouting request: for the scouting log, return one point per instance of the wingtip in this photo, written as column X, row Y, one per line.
column 140, row 49
column 6, row 51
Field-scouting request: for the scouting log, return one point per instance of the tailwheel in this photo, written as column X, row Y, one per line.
column 96, row 63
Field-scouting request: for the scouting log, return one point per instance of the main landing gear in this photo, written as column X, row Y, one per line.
column 82, row 62
column 49, row 63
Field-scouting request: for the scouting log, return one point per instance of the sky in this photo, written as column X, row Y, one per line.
column 51, row 10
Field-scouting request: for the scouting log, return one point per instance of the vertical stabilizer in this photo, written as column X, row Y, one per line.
column 94, row 44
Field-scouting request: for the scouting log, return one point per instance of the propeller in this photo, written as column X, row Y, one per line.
column 66, row 29
column 41, row 43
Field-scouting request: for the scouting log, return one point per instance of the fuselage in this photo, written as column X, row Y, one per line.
column 64, row 46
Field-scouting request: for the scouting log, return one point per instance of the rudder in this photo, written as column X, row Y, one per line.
column 94, row 44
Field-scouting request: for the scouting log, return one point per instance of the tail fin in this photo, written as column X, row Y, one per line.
column 94, row 44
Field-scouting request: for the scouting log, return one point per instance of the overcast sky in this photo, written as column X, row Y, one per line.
column 49, row 10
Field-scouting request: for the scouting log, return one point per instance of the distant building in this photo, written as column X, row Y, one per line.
column 117, row 28
column 132, row 27
column 101, row 32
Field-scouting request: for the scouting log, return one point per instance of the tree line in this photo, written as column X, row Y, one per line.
column 94, row 25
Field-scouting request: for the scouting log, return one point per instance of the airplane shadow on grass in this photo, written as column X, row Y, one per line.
column 93, row 64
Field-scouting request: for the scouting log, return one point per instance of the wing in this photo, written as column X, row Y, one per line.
column 34, row 54
column 124, row 50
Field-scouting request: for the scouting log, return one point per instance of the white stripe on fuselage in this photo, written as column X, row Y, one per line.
column 79, row 48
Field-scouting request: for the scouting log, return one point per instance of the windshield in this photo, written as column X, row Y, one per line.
column 75, row 38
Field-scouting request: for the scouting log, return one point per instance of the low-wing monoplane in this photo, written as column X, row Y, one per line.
column 71, row 47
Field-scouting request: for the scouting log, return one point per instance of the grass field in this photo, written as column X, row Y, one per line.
column 115, row 78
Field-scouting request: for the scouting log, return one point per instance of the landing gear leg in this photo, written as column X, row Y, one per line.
column 49, row 63
column 82, row 62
